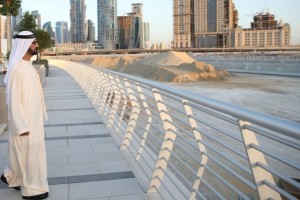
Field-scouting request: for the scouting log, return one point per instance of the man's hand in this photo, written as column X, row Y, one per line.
column 25, row 134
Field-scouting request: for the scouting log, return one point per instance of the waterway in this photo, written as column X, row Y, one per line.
column 274, row 95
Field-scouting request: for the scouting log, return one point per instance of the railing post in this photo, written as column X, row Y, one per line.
column 116, row 101
column 104, row 95
column 149, row 120
column 96, row 86
column 167, row 145
column 102, row 84
column 133, row 117
column 260, row 175
column 97, row 89
column 198, row 137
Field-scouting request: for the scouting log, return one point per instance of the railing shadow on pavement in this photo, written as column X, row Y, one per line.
column 185, row 146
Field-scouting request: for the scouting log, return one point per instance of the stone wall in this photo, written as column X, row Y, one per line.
column 3, row 107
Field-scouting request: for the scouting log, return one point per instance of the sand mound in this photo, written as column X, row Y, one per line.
column 112, row 62
column 166, row 67
column 171, row 58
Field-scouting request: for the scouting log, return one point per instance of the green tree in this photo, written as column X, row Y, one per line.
column 9, row 8
column 44, row 40
column 27, row 23
column 42, row 37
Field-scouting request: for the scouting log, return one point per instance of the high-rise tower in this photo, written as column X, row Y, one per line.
column 61, row 32
column 204, row 23
column 214, row 22
column 147, row 44
column 107, row 24
column 183, row 23
column 78, row 23
column 137, row 13
column 91, row 31
column 35, row 14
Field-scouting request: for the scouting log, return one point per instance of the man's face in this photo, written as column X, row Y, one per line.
column 33, row 48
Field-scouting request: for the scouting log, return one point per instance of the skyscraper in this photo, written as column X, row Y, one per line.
column 137, row 12
column 48, row 28
column 78, row 28
column 147, row 44
column 91, row 31
column 61, row 32
column 204, row 23
column 35, row 14
column 15, row 21
column 107, row 24
column 213, row 28
column 183, row 23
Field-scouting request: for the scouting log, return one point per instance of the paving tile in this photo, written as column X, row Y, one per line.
column 10, row 194
column 68, row 150
column 113, row 166
column 57, row 159
column 58, row 192
column 58, row 180
column 55, row 129
column 107, row 147
column 101, row 189
column 95, row 157
column 73, row 170
column 90, row 141
column 130, row 197
column 117, row 175
column 66, row 133
column 57, row 143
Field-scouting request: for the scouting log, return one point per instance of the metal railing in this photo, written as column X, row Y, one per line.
column 185, row 146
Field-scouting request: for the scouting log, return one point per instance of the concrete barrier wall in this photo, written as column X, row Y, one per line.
column 3, row 107
column 255, row 64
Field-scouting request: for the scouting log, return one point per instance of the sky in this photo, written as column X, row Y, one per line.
column 159, row 13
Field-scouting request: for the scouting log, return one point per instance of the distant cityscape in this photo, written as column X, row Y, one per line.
column 196, row 24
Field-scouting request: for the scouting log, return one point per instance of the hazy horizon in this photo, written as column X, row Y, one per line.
column 160, row 14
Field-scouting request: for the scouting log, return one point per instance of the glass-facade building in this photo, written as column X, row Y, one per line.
column 61, row 32
column 147, row 44
column 107, row 24
column 78, row 29
column 37, row 17
column 91, row 31
column 129, row 32
column 48, row 28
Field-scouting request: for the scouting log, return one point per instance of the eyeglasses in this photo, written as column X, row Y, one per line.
column 34, row 42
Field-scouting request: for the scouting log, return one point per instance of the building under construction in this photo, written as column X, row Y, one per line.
column 265, row 31
column 264, row 21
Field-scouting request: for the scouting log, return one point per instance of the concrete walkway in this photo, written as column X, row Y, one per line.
column 83, row 160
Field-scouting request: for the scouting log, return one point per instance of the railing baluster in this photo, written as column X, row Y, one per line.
column 116, row 99
column 259, row 174
column 167, row 145
column 149, row 120
column 202, row 149
column 133, row 116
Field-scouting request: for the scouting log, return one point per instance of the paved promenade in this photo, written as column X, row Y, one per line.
column 83, row 160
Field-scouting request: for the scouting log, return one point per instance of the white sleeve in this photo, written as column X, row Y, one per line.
column 17, row 118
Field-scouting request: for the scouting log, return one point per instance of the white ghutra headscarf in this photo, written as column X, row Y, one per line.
column 20, row 46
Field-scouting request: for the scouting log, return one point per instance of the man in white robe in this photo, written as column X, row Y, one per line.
column 27, row 168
